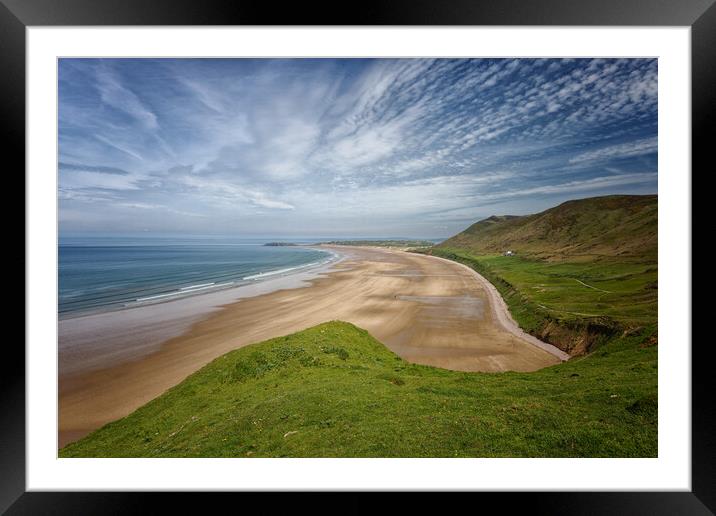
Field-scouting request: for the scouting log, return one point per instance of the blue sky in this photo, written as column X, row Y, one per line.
column 345, row 147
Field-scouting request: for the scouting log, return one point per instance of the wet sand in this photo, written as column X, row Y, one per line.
column 425, row 309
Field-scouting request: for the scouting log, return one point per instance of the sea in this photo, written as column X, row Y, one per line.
column 98, row 274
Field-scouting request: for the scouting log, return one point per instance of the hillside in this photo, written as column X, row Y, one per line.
column 623, row 226
column 582, row 273
column 334, row 391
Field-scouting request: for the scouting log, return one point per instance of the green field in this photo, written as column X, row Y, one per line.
column 574, row 305
column 334, row 391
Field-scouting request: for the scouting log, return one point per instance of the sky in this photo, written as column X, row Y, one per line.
column 345, row 147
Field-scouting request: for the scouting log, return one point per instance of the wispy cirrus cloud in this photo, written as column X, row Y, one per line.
column 315, row 145
column 99, row 169
column 216, row 190
column 619, row 151
column 115, row 94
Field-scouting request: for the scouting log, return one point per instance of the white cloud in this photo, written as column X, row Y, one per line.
column 119, row 147
column 360, row 139
column 215, row 190
column 116, row 95
column 622, row 150
column 596, row 183
column 81, row 179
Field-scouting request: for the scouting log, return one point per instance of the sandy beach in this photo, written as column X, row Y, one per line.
column 425, row 309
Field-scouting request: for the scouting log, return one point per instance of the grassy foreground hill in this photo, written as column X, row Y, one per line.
column 583, row 272
column 334, row 391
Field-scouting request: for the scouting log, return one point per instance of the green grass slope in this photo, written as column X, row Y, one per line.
column 334, row 391
column 584, row 272
column 621, row 226
column 577, row 306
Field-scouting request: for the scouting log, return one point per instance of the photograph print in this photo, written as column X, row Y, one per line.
column 357, row 257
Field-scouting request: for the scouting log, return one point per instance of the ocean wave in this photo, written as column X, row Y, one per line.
column 126, row 288
column 185, row 290
column 289, row 269
column 191, row 287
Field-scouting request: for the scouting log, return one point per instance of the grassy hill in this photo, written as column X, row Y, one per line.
column 584, row 271
column 621, row 226
column 334, row 391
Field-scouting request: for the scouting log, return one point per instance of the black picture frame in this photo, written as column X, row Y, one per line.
column 700, row 15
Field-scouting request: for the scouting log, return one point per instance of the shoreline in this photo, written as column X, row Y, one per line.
column 206, row 288
column 92, row 341
column 427, row 311
column 502, row 314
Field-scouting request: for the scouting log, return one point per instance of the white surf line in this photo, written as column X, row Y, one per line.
column 281, row 271
column 289, row 269
column 191, row 287
column 334, row 258
column 186, row 290
column 595, row 288
column 503, row 316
